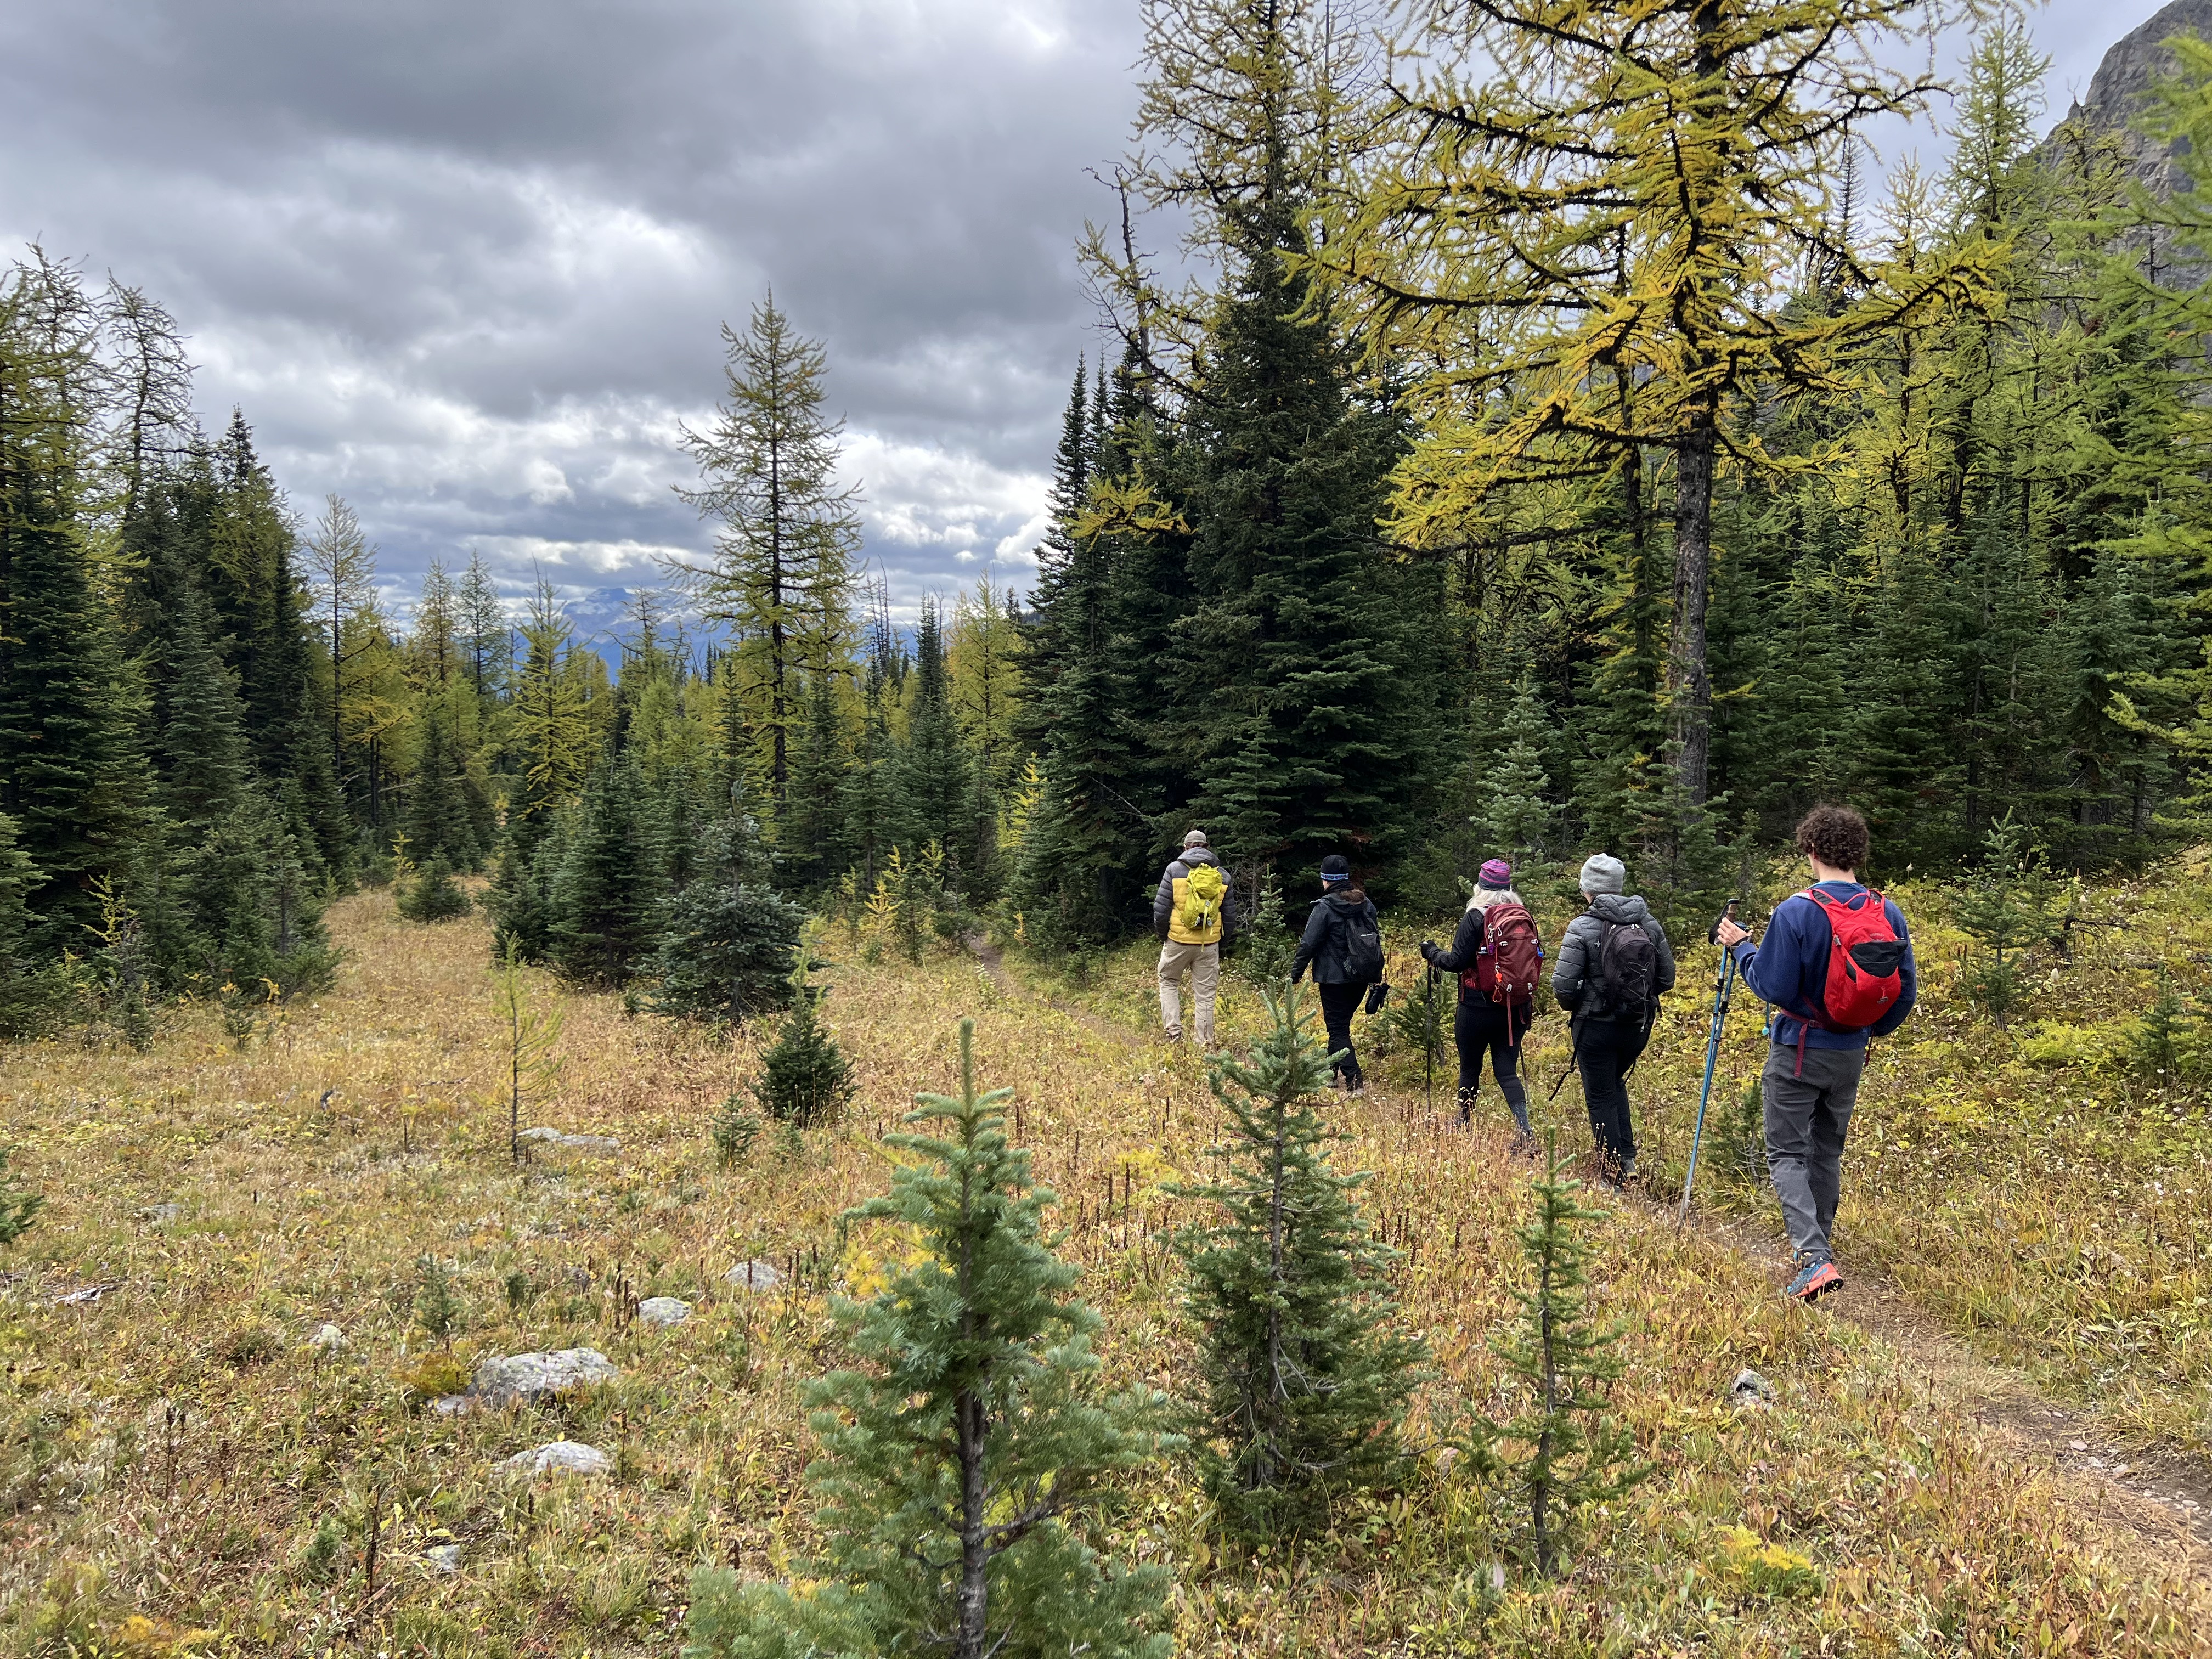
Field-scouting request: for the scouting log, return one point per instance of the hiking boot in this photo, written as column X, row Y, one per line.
column 1628, row 1172
column 1814, row 1280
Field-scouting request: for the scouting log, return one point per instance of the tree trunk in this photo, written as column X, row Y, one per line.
column 973, row 1597
column 1689, row 689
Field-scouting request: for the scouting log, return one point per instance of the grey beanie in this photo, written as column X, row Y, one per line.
column 1603, row 873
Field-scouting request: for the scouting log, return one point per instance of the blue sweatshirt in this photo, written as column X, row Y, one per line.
column 1789, row 969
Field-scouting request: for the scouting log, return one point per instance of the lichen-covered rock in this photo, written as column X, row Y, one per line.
column 664, row 1310
column 754, row 1276
column 559, row 1457
column 446, row 1558
column 524, row 1377
column 328, row 1339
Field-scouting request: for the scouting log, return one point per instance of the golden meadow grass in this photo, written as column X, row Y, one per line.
column 176, row 1455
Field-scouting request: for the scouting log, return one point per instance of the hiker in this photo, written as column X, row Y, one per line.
column 1837, row 964
column 1194, row 914
column 1615, row 965
column 1498, row 956
column 1343, row 943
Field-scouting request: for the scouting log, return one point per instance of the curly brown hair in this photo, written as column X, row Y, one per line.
column 1834, row 835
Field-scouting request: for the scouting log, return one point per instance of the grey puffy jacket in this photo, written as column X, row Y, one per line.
column 1577, row 976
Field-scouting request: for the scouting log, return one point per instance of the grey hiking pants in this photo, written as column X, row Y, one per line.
column 1808, row 1112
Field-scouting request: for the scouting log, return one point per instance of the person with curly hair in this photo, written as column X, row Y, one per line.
column 1811, row 1079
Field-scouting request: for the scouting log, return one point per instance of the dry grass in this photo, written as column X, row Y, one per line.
column 174, row 1453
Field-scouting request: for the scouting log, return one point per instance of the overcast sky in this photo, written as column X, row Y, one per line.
column 464, row 261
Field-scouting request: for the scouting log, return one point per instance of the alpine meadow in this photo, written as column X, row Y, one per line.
column 1539, row 988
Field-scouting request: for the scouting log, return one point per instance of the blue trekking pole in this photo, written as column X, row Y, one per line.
column 1722, row 991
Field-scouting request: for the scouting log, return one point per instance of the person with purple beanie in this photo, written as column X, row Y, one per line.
column 1486, row 1023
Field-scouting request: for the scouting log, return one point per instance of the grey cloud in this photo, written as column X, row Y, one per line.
column 466, row 263
column 464, row 260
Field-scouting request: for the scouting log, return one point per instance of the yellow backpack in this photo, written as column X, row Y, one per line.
column 1199, row 911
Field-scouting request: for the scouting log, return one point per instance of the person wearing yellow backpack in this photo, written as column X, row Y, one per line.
column 1194, row 914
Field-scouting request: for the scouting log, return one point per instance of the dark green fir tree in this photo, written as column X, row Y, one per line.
column 967, row 1466
column 727, row 940
column 1306, row 1382
column 604, row 894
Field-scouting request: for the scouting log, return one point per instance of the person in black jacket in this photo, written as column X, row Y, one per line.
column 1481, row 1025
column 1328, row 947
column 1609, row 1024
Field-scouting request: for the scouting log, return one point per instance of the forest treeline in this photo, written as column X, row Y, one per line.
column 1569, row 446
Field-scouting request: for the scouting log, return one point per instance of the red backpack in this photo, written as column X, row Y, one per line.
column 1864, row 955
column 1510, row 960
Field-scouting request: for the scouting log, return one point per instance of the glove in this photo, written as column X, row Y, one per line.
column 1429, row 951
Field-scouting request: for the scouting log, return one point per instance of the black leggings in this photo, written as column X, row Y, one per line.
column 1482, row 1026
column 1604, row 1050
column 1338, row 1005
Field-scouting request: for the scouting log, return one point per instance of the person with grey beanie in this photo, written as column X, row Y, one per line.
column 1615, row 965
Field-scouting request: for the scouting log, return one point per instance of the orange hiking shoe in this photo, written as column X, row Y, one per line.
column 1814, row 1280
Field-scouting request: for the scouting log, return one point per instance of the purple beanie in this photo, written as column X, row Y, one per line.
column 1496, row 873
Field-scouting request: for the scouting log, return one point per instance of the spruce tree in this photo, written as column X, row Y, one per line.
column 31, row 982
column 1296, row 700
column 726, row 942
column 936, row 771
column 804, row 1081
column 1575, row 1452
column 1306, row 1382
column 603, row 895
column 816, row 843
column 1515, row 816
column 964, row 1472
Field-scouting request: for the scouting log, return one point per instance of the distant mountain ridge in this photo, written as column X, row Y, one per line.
column 2121, row 87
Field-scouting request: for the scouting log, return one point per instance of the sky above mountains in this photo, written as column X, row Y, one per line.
column 465, row 261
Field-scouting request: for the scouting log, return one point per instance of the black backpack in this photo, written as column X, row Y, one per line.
column 1362, row 947
column 1628, row 968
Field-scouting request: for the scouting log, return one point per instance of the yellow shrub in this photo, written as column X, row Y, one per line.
column 1763, row 1569
column 432, row 1376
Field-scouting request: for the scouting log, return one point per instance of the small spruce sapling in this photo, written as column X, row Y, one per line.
column 433, row 895
column 18, row 1208
column 806, row 1079
column 2004, row 905
column 1264, row 961
column 736, row 1128
column 1306, row 1382
column 961, row 1472
column 2161, row 1042
column 437, row 1309
column 1576, row 1453
column 528, row 1033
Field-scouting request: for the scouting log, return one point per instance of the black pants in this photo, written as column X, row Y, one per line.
column 1604, row 1050
column 1338, row 1005
column 1482, row 1026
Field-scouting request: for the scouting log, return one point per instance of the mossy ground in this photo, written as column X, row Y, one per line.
column 175, row 1455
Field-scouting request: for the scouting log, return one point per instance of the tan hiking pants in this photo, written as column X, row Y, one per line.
column 1203, row 961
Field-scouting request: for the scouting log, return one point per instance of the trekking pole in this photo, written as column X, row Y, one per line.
column 1429, row 1038
column 1723, row 987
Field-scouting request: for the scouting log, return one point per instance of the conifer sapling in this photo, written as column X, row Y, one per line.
column 960, row 1470
column 1576, row 1454
column 1306, row 1383
column 806, row 1079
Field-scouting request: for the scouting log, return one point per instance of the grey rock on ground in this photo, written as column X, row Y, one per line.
column 328, row 1339
column 446, row 1558
column 1750, row 1388
column 559, row 1457
column 754, row 1276
column 549, row 1137
column 161, row 1215
column 664, row 1310
column 524, row 1377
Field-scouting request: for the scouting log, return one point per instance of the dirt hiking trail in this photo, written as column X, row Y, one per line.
column 2163, row 1499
